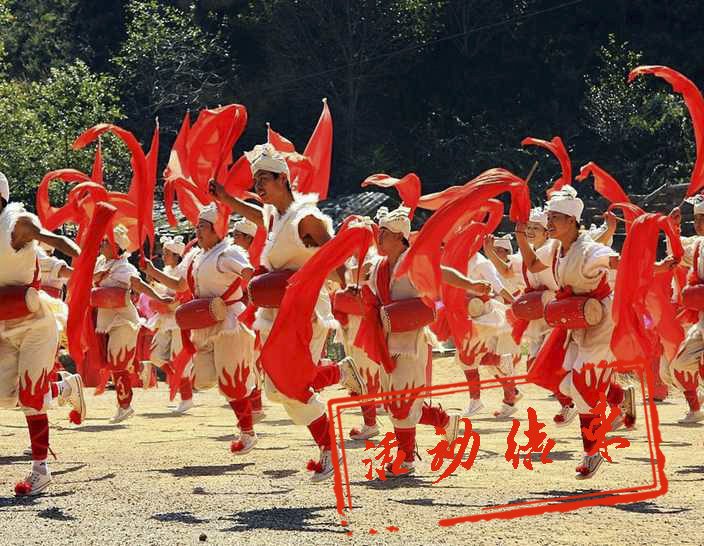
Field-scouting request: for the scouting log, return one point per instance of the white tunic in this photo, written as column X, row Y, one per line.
column 284, row 249
column 119, row 273
column 50, row 268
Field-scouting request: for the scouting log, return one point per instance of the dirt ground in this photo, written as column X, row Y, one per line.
column 164, row 479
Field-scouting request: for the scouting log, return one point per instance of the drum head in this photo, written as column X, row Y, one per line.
column 31, row 299
column 476, row 307
column 593, row 311
column 218, row 309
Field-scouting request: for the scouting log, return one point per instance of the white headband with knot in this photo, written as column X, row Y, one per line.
column 175, row 245
column 565, row 201
column 698, row 202
column 209, row 213
column 397, row 221
column 539, row 216
column 245, row 226
column 122, row 238
column 4, row 188
column 504, row 242
column 380, row 213
column 264, row 157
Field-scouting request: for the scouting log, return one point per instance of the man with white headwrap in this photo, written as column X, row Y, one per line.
column 581, row 269
column 684, row 372
column 223, row 354
column 166, row 343
column 296, row 228
column 119, row 327
column 29, row 334
column 410, row 351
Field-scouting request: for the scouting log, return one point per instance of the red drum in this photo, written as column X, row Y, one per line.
column 693, row 297
column 345, row 301
column 52, row 291
column 529, row 306
column 406, row 315
column 162, row 308
column 268, row 289
column 574, row 313
column 109, row 298
column 200, row 313
column 18, row 302
column 476, row 306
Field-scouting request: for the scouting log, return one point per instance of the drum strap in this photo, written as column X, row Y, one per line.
column 225, row 296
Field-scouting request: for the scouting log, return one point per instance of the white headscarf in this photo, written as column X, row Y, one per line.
column 380, row 213
column 264, row 157
column 539, row 216
column 175, row 244
column 566, row 202
column 122, row 238
column 245, row 226
column 397, row 221
column 4, row 188
column 504, row 242
column 209, row 213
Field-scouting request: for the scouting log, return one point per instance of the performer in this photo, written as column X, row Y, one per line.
column 166, row 344
column 410, row 350
column 684, row 372
column 243, row 233
column 581, row 270
column 120, row 325
column 54, row 272
column 489, row 321
column 29, row 335
column 296, row 228
column 223, row 351
column 534, row 244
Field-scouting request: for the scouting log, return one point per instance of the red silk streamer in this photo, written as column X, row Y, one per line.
column 257, row 246
column 604, row 183
column 641, row 296
column 81, row 281
column 286, row 354
column 278, row 141
column 695, row 104
column 52, row 217
column 97, row 173
column 557, row 148
column 433, row 201
column 145, row 202
column 319, row 151
column 630, row 212
column 422, row 262
column 408, row 188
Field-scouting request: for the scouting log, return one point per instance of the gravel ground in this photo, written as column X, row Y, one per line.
column 162, row 479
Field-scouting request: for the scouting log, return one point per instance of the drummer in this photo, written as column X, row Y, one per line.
column 120, row 325
column 581, row 269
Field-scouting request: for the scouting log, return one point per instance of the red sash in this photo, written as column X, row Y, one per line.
column 371, row 337
column 547, row 370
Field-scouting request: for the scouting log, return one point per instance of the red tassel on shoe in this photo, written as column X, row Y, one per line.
column 582, row 469
column 23, row 488
column 75, row 417
column 236, row 446
column 314, row 466
column 354, row 432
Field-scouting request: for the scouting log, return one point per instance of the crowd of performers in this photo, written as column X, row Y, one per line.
column 249, row 309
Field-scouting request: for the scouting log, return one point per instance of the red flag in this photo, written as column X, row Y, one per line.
column 279, row 142
column 408, row 188
column 53, row 217
column 81, row 281
column 604, row 183
column 557, row 148
column 319, row 152
column 97, row 174
column 286, row 354
column 695, row 104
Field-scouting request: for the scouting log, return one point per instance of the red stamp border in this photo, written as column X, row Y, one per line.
column 528, row 508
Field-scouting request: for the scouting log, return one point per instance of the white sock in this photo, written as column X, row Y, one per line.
column 40, row 466
column 64, row 389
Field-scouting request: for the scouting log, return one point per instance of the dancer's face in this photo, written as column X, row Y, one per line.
column 270, row 187
column 536, row 234
column 170, row 258
column 389, row 242
column 242, row 239
column 206, row 234
column 561, row 226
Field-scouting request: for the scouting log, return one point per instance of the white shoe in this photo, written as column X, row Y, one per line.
column 243, row 444
column 475, row 406
column 184, row 406
column 145, row 375
column 505, row 411
column 452, row 430
column 122, row 414
column 27, row 452
column 350, row 378
column 692, row 417
column 33, row 484
column 590, row 465
column 74, row 397
column 365, row 433
column 566, row 416
column 258, row 416
column 325, row 468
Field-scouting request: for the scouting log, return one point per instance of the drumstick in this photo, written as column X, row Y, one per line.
column 532, row 171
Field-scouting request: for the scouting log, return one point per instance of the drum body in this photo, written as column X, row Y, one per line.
column 406, row 315
column 18, row 302
column 693, row 297
column 200, row 313
column 574, row 313
column 162, row 308
column 109, row 297
column 268, row 289
column 529, row 306
column 344, row 301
